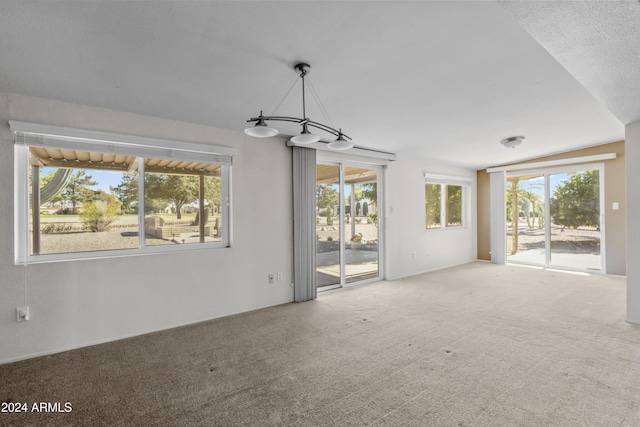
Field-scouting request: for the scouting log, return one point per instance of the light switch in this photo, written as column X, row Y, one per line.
column 616, row 206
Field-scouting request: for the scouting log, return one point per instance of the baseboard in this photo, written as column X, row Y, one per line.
column 118, row 338
column 432, row 270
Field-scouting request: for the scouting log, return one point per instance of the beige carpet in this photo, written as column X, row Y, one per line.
column 475, row 345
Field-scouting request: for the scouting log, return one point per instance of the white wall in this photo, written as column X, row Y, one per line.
column 79, row 303
column 406, row 229
column 632, row 167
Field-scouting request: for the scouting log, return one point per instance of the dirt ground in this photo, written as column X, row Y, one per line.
column 584, row 240
column 88, row 241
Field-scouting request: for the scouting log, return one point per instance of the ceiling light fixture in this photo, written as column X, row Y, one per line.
column 512, row 142
column 262, row 130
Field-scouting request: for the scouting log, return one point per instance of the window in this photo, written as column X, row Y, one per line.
column 83, row 197
column 445, row 201
column 433, row 197
column 454, row 205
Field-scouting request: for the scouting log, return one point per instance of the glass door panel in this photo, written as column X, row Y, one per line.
column 361, row 224
column 526, row 219
column 575, row 220
column 554, row 217
column 328, row 273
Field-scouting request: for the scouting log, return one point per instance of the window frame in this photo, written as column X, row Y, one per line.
column 35, row 135
column 444, row 181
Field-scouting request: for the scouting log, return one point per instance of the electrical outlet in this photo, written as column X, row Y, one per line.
column 22, row 314
column 270, row 277
column 279, row 275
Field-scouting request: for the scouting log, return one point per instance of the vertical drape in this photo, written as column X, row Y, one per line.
column 304, row 223
column 498, row 217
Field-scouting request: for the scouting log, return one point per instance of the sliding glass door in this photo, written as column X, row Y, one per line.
column 347, row 221
column 328, row 226
column 554, row 218
column 361, row 224
column 526, row 233
column 574, row 208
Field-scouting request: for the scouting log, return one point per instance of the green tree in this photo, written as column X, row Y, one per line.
column 454, row 205
column 369, row 192
column 373, row 218
column 357, row 193
column 432, row 202
column 521, row 200
column 532, row 206
column 326, row 196
column 77, row 190
column 177, row 189
column 576, row 202
column 98, row 214
column 513, row 210
column 329, row 216
column 212, row 193
column 127, row 192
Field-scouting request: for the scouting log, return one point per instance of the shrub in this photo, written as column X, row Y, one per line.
column 98, row 214
column 373, row 218
column 59, row 227
column 329, row 216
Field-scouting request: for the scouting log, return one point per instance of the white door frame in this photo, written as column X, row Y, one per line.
column 341, row 223
column 546, row 172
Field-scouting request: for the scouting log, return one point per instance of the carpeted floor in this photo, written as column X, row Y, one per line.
column 475, row 345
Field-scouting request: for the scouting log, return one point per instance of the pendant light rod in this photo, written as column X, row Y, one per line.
column 303, row 69
column 261, row 129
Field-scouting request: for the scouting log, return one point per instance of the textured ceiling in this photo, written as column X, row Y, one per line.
column 598, row 42
column 439, row 81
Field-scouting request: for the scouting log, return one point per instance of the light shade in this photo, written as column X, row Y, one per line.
column 261, row 130
column 512, row 142
column 305, row 137
column 340, row 143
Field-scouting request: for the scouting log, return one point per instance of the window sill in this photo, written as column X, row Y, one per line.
column 446, row 229
column 120, row 253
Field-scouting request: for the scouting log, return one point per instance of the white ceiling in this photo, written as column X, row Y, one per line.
column 598, row 42
column 432, row 80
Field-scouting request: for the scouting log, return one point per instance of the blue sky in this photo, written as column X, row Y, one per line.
column 347, row 189
column 536, row 185
column 104, row 178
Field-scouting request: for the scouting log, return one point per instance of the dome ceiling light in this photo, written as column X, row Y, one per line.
column 512, row 141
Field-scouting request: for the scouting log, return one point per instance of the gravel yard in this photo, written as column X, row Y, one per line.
column 369, row 231
column 584, row 240
column 87, row 241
